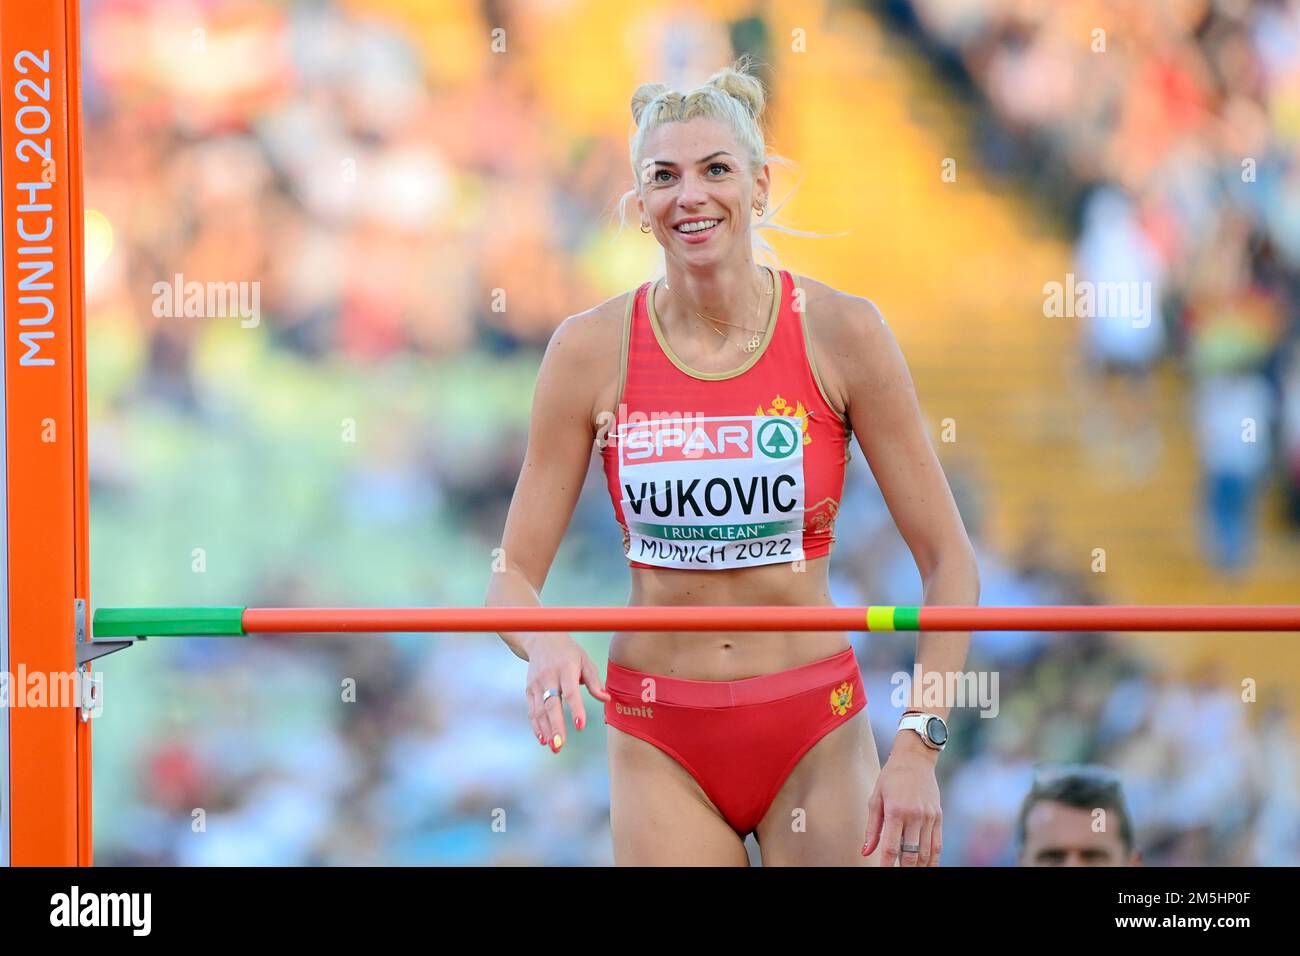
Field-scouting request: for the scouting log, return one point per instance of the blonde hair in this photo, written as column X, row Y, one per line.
column 733, row 96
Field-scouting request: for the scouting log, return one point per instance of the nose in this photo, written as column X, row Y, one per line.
column 693, row 192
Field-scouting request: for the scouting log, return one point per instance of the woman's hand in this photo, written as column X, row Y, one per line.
column 558, row 662
column 904, row 806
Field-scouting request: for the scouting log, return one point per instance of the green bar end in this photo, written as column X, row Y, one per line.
column 168, row 622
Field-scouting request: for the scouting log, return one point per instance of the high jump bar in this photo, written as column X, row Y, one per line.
column 120, row 622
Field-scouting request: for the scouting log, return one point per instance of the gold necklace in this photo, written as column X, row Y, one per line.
column 755, row 339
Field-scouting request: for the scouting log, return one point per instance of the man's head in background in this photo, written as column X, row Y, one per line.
column 1075, row 815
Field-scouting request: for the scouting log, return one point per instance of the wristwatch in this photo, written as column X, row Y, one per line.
column 930, row 727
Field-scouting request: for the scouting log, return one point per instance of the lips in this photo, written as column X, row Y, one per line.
column 697, row 230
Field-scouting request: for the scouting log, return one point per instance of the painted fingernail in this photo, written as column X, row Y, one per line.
column 864, row 849
column 579, row 722
column 557, row 742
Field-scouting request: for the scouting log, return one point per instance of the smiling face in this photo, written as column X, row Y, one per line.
column 697, row 191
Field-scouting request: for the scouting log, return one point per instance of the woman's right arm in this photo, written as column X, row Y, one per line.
column 560, row 440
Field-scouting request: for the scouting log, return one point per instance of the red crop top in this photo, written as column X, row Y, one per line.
column 729, row 469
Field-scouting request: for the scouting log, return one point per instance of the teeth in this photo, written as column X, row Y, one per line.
column 698, row 226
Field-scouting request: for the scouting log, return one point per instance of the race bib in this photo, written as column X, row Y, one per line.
column 713, row 492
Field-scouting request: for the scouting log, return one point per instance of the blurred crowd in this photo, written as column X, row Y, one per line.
column 304, row 146
column 385, row 191
column 1167, row 131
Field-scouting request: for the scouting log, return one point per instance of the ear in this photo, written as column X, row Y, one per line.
column 762, row 185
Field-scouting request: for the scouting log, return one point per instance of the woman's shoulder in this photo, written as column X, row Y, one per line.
column 589, row 333
column 837, row 317
column 583, row 354
column 850, row 341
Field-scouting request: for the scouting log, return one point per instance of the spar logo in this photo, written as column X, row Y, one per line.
column 694, row 439
column 778, row 438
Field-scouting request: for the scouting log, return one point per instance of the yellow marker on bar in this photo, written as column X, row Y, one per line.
column 880, row 617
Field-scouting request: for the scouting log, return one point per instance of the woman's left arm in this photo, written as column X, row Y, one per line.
column 881, row 402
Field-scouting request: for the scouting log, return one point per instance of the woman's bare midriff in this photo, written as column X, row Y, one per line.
column 727, row 655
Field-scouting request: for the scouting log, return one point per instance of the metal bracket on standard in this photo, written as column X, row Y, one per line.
column 90, row 685
column 89, row 649
column 90, row 694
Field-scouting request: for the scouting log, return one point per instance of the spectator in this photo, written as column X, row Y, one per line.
column 1076, row 816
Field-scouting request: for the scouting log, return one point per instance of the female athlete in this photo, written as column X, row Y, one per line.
column 722, row 398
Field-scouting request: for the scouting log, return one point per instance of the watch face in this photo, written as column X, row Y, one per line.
column 936, row 731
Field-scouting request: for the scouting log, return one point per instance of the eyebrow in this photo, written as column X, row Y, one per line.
column 669, row 162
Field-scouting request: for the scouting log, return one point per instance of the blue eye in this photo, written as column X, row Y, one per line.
column 654, row 177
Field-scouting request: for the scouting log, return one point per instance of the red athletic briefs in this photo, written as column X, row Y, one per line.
column 738, row 739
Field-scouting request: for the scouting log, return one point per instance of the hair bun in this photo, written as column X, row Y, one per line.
column 739, row 82
column 645, row 94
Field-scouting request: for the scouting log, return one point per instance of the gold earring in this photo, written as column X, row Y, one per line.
column 646, row 228
column 761, row 210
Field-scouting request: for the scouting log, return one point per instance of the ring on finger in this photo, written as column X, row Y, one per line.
column 910, row 848
column 549, row 693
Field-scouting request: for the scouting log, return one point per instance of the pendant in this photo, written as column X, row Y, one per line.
column 754, row 342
